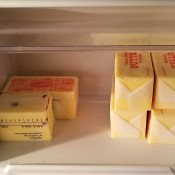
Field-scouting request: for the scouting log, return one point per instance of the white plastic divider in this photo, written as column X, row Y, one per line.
column 83, row 169
column 87, row 33
column 102, row 48
column 87, row 26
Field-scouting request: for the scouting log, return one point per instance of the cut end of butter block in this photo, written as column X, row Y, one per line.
column 63, row 88
column 126, row 124
column 164, row 67
column 133, row 81
column 161, row 127
column 26, row 117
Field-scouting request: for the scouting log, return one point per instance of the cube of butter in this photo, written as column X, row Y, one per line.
column 164, row 66
column 126, row 124
column 64, row 90
column 133, row 81
column 161, row 128
column 26, row 117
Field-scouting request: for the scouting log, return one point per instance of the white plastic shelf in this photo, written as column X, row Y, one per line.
column 86, row 140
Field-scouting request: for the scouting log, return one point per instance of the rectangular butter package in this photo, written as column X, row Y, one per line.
column 63, row 88
column 126, row 124
column 26, row 117
column 133, row 81
column 161, row 128
column 164, row 67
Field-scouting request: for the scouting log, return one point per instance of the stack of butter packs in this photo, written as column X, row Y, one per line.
column 131, row 96
column 30, row 105
column 162, row 118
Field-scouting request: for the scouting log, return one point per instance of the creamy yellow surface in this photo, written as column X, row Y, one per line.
column 126, row 124
column 26, row 117
column 162, row 127
column 133, row 81
column 164, row 66
column 15, row 102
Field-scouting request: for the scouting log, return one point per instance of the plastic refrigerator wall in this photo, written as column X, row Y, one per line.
column 58, row 38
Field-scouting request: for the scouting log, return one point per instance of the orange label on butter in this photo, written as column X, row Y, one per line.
column 133, row 59
column 169, row 58
column 41, row 84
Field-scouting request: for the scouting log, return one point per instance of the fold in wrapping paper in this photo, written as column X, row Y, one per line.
column 64, row 90
column 65, row 104
column 120, row 128
column 133, row 81
column 126, row 124
column 139, row 99
column 162, row 127
column 164, row 96
column 164, row 66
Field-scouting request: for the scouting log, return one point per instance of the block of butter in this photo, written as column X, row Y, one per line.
column 126, row 124
column 161, row 128
column 133, row 81
column 26, row 117
column 64, row 90
column 164, row 66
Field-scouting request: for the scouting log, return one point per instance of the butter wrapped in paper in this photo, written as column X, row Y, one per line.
column 63, row 88
column 26, row 117
column 164, row 66
column 133, row 81
column 126, row 124
column 161, row 128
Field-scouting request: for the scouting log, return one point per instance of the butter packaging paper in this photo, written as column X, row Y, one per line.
column 26, row 117
column 133, row 81
column 63, row 89
column 126, row 124
column 162, row 127
column 164, row 66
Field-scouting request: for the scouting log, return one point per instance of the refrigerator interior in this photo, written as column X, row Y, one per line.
column 68, row 41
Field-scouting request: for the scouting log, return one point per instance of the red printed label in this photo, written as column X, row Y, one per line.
column 41, row 84
column 169, row 58
column 133, row 59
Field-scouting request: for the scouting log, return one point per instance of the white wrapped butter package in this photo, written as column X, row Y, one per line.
column 164, row 67
column 161, row 128
column 63, row 88
column 126, row 124
column 133, row 81
column 26, row 117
